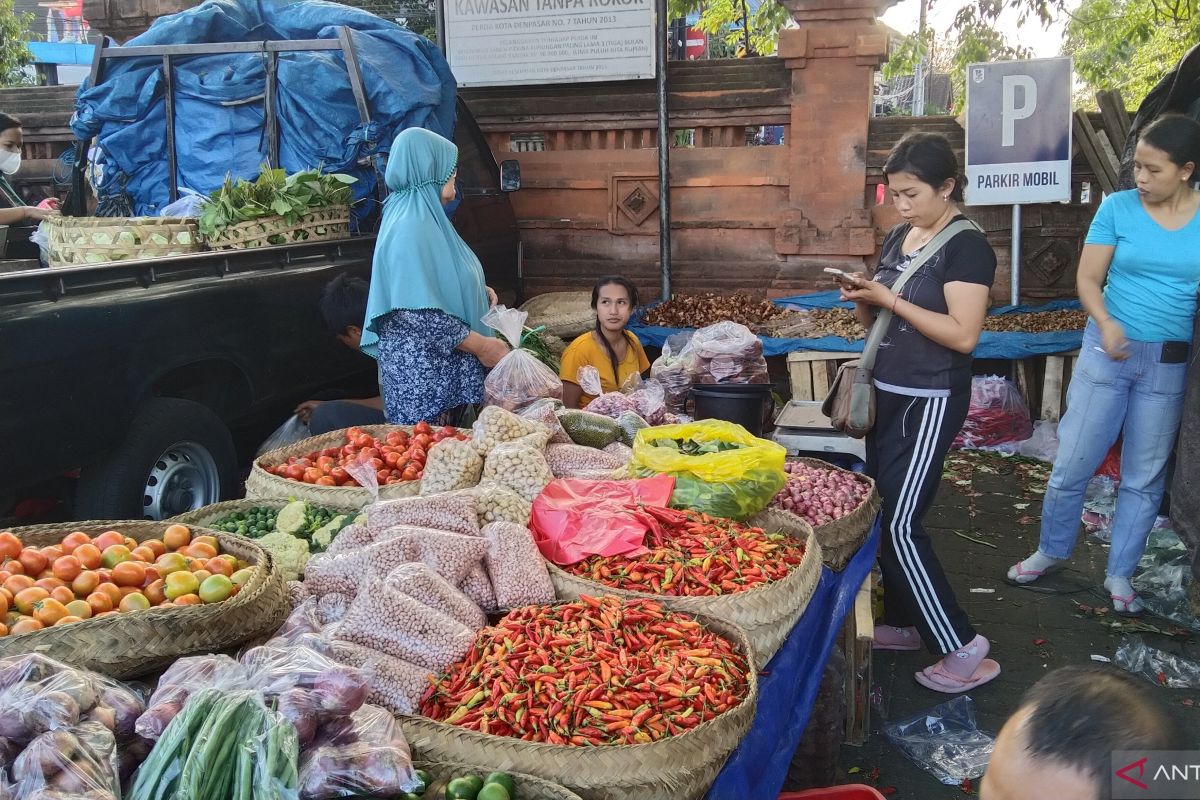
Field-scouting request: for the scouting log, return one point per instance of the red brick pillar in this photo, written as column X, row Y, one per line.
column 832, row 55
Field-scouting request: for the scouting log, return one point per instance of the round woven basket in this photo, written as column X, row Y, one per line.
column 562, row 314
column 94, row 240
column 332, row 222
column 263, row 485
column 203, row 517
column 766, row 613
column 139, row 642
column 839, row 538
column 529, row 787
column 678, row 768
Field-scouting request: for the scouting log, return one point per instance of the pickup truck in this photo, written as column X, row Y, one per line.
column 133, row 373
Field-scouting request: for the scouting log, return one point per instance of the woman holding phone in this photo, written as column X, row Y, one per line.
column 922, row 391
column 1137, row 279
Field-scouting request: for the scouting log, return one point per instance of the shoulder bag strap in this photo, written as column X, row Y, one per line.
column 871, row 348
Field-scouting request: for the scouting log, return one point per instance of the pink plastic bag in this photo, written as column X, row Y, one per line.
column 574, row 519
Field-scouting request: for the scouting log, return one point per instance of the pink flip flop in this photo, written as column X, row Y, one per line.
column 889, row 637
column 939, row 679
column 1130, row 606
column 1018, row 572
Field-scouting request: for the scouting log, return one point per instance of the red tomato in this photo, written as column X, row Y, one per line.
column 422, row 427
column 325, row 463
column 10, row 545
column 410, row 474
column 369, row 452
column 363, row 440
column 305, row 462
column 391, row 459
column 326, row 480
column 395, row 438
column 295, row 472
column 331, row 452
column 313, row 474
column 423, row 439
column 339, row 475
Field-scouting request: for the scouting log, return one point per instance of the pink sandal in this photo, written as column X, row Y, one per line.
column 1019, row 576
column 889, row 637
column 941, row 678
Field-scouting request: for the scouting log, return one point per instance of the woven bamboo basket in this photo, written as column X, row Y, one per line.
column 332, row 222
column 839, row 539
column 562, row 314
column 766, row 613
column 96, row 240
column 529, row 787
column 203, row 517
column 262, row 485
column 139, row 642
column 678, row 768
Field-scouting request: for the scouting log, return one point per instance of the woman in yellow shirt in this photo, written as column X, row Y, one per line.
column 613, row 351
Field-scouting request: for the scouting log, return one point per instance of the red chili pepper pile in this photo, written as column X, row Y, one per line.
column 599, row 671
column 697, row 555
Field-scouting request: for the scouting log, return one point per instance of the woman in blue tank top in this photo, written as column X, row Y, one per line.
column 1138, row 277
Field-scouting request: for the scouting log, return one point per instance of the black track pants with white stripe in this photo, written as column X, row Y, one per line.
column 905, row 451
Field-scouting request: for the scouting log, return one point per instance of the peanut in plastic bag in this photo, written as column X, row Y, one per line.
column 451, row 555
column 456, row 512
column 452, row 464
column 516, row 567
column 364, row 754
column 496, row 426
column 388, row 620
column 500, row 504
column 519, row 467
column 734, row 483
column 421, row 583
column 395, row 684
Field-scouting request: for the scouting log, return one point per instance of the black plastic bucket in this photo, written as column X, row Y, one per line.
column 742, row 403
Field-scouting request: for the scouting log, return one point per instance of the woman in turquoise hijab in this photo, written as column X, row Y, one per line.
column 428, row 295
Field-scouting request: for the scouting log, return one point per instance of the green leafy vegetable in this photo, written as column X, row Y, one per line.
column 273, row 193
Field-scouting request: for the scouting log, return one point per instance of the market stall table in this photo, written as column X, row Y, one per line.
column 788, row 685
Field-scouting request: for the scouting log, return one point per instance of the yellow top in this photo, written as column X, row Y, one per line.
column 586, row 351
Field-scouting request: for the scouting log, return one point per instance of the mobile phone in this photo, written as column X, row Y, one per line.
column 844, row 277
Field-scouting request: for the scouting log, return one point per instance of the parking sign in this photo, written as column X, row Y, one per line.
column 1019, row 132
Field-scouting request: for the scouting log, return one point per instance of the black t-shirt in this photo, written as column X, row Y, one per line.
column 907, row 359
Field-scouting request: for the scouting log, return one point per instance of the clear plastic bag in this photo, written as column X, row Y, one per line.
column 1164, row 575
column 451, row 555
column 496, row 426
column 620, row 451
column 674, row 369
column 75, row 762
column 297, row 593
column 519, row 467
column 302, row 621
column 545, row 412
column 1042, row 443
column 520, row 378
column 332, row 607
column 421, row 583
column 190, row 204
column 290, row 432
column 452, row 464
column 41, row 695
column 365, row 477
column 500, row 504
column 590, row 430
column 392, row 622
column 395, row 684
column 944, row 741
column 175, row 687
column 364, row 754
column 455, row 512
column 997, row 415
column 571, row 460
column 478, row 587
column 515, row 566
column 728, row 353
column 1157, row 666
column 630, row 423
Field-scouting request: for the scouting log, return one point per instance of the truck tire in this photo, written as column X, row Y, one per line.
column 177, row 457
column 814, row 764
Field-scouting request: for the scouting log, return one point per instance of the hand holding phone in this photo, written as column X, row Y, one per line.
column 845, row 278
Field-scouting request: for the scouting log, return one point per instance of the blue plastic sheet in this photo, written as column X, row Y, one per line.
column 786, row 694
column 219, row 99
column 991, row 344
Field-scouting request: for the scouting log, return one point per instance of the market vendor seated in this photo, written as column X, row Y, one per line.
column 13, row 210
column 344, row 307
column 613, row 351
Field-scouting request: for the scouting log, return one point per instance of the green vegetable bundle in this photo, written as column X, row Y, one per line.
column 273, row 193
column 222, row 745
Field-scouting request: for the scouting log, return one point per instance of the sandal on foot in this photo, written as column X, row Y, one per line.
column 940, row 679
column 1128, row 606
column 889, row 637
column 1019, row 576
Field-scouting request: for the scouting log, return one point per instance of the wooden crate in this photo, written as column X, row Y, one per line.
column 858, row 636
column 1043, row 381
column 812, row 372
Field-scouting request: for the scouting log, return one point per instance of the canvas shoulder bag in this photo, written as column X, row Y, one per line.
column 850, row 404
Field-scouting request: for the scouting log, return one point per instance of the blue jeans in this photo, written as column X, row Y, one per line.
column 1139, row 398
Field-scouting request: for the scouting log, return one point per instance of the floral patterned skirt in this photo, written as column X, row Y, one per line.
column 421, row 374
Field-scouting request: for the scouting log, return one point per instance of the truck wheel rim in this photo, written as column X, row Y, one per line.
column 184, row 478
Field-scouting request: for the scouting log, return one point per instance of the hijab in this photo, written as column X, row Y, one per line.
column 420, row 261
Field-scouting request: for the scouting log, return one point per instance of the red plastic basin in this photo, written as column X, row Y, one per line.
column 853, row 791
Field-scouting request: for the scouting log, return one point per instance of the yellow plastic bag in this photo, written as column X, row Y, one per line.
column 734, row 483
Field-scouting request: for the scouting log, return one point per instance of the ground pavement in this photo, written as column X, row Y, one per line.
column 996, row 502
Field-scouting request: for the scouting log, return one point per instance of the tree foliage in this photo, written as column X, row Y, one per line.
column 14, row 55
column 733, row 28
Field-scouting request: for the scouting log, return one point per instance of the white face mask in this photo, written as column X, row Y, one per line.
column 10, row 162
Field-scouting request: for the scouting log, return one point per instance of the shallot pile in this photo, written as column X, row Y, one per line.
column 820, row 495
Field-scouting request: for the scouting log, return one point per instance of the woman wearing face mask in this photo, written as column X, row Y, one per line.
column 13, row 210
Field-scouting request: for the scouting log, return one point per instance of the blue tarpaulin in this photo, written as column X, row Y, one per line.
column 219, row 106
column 991, row 345
column 787, row 692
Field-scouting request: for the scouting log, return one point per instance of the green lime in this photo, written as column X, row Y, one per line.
column 493, row 791
column 464, row 788
column 504, row 779
column 425, row 778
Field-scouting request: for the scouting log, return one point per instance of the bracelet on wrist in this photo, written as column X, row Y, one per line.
column 894, row 302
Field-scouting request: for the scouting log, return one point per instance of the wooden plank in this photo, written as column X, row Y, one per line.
column 1116, row 118
column 1085, row 138
column 801, row 379
column 857, row 641
column 1052, row 389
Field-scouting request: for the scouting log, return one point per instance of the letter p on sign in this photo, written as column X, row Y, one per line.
column 1010, row 112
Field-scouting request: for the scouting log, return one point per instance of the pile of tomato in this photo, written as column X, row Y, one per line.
column 397, row 457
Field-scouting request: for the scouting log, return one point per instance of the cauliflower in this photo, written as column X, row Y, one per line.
column 290, row 553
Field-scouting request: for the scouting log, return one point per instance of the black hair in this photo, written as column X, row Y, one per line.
column 929, row 158
column 1176, row 135
column 631, row 290
column 344, row 302
column 1081, row 714
column 8, row 121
